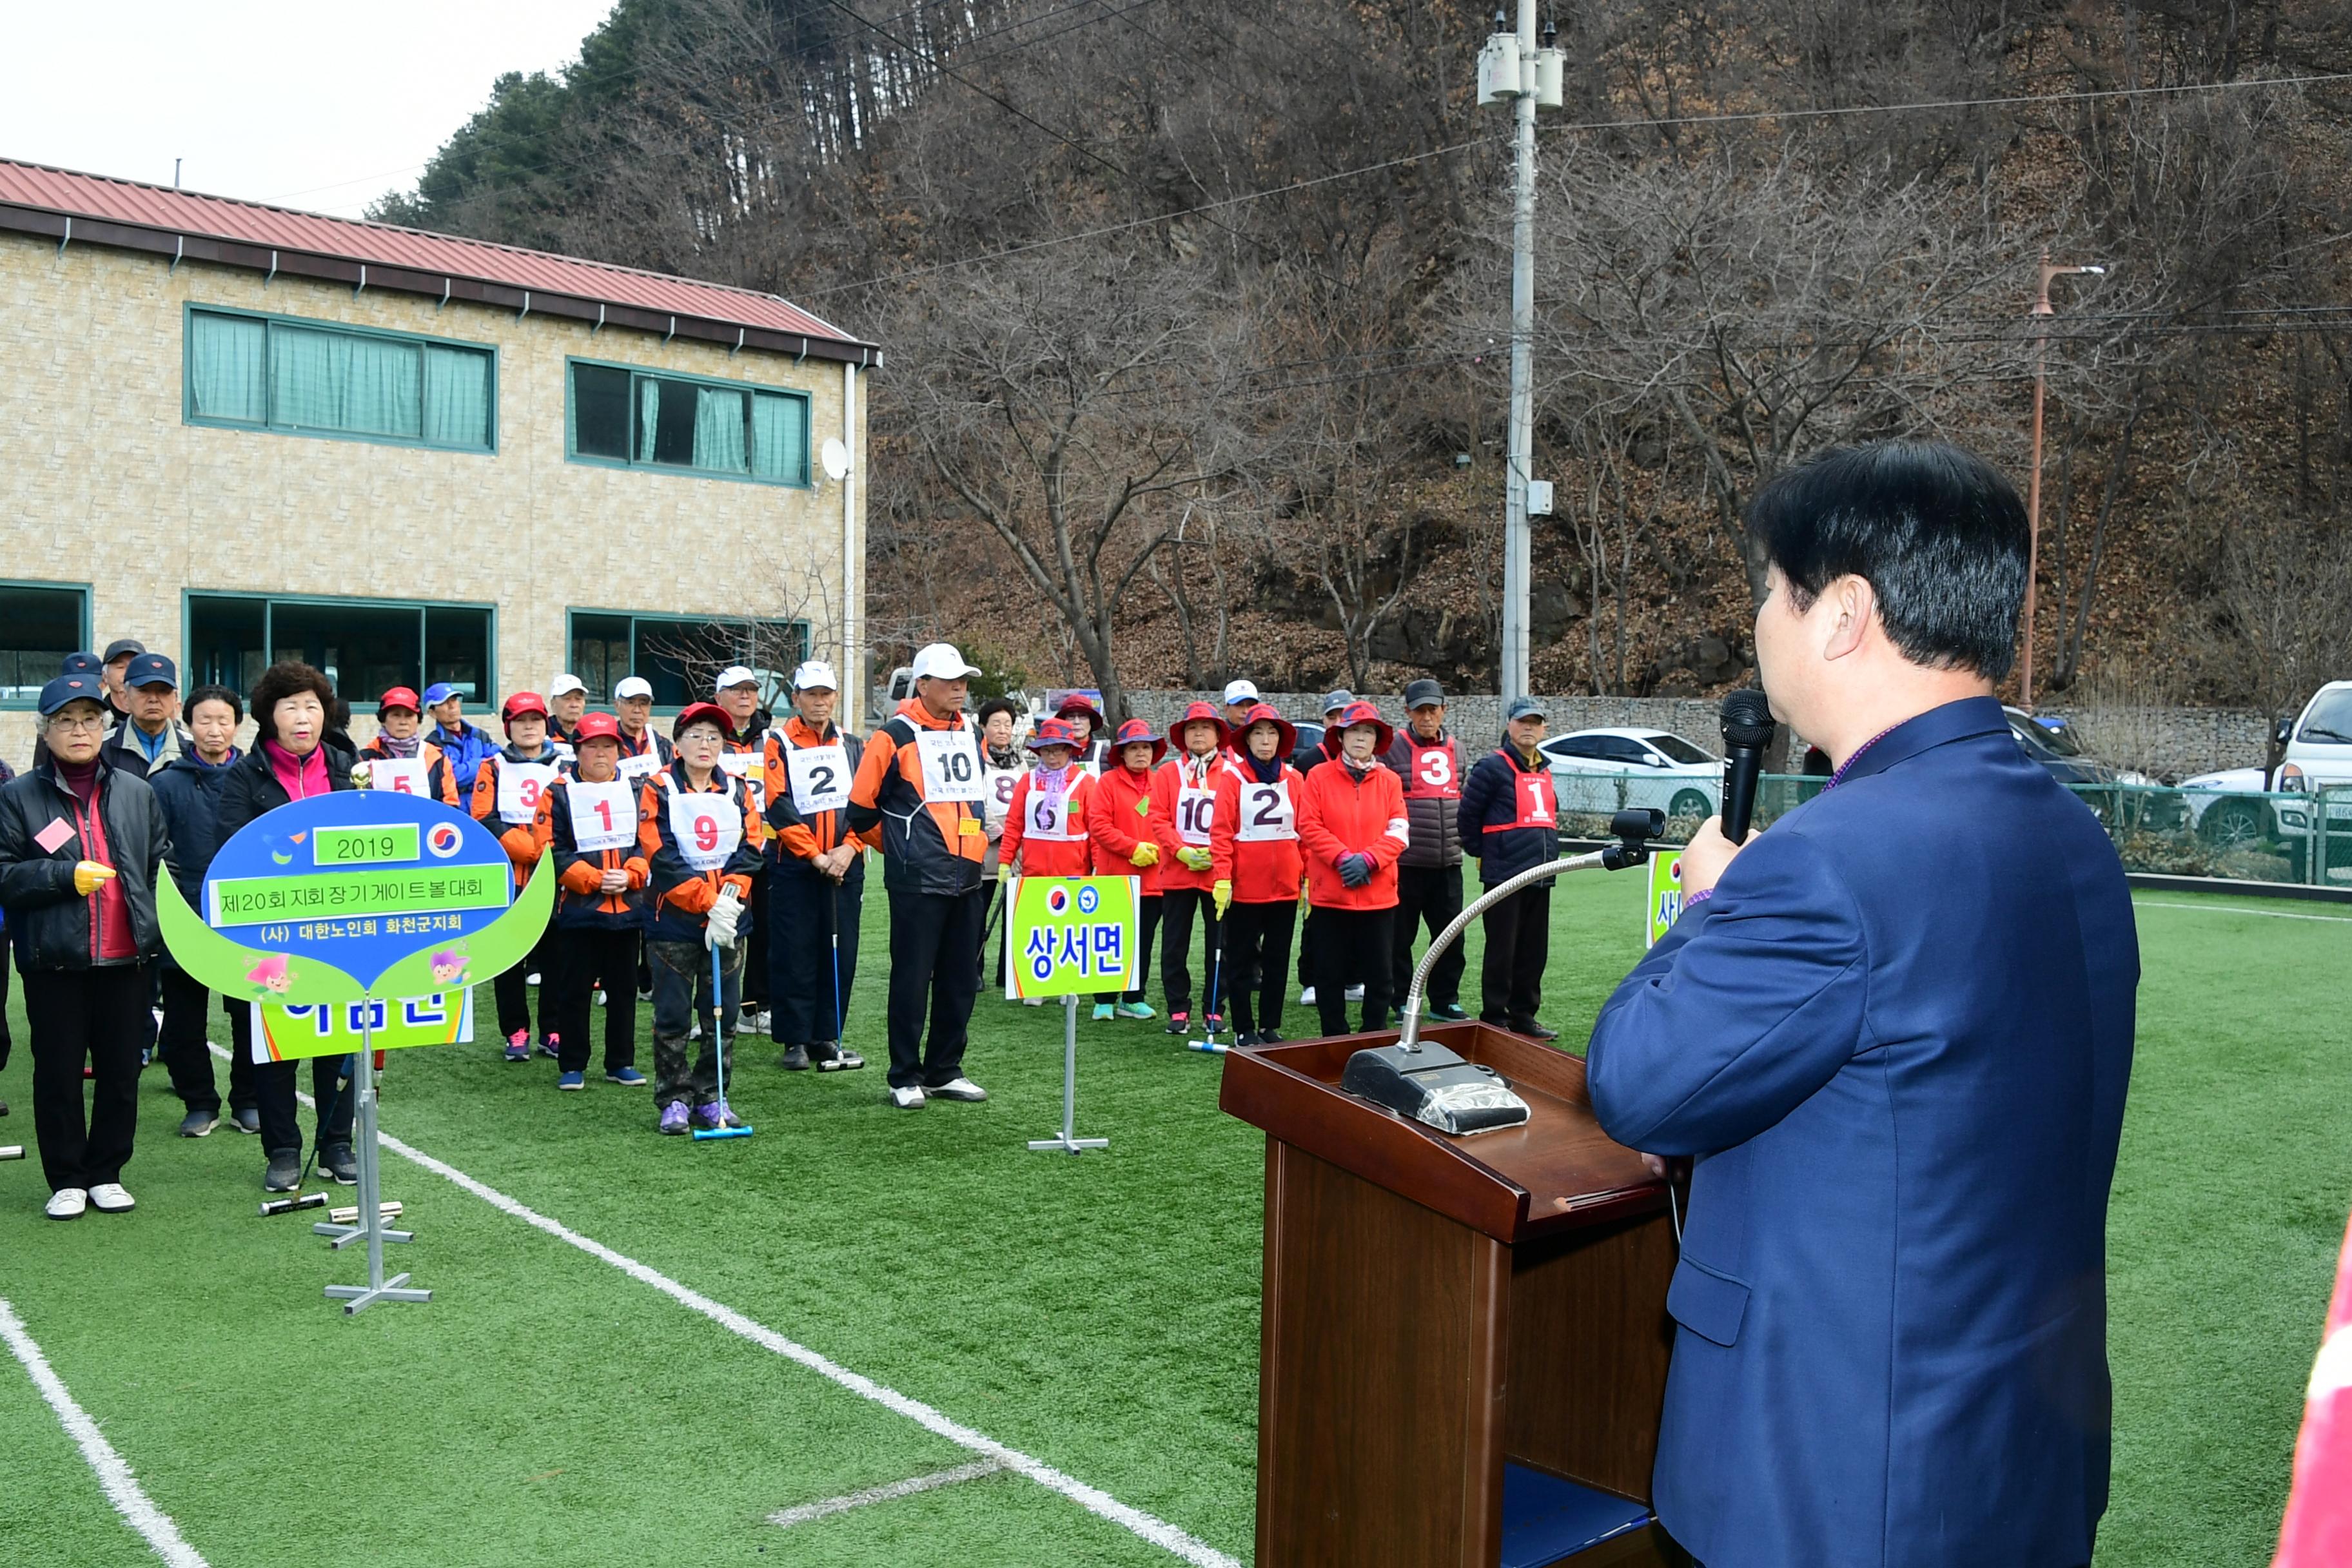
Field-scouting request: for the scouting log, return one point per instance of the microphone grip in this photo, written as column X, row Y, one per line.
column 1740, row 769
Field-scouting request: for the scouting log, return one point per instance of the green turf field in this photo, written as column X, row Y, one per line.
column 1096, row 1315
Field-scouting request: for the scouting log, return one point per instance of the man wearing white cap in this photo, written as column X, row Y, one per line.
column 567, row 700
column 816, row 875
column 1241, row 696
column 644, row 749
column 920, row 784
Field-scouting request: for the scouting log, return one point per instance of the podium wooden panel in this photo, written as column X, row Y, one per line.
column 1435, row 1307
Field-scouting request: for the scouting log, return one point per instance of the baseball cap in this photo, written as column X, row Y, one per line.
column 440, row 691
column 523, row 703
column 816, row 674
column 121, row 646
column 734, row 675
column 1239, row 691
column 939, row 661
column 566, row 682
column 596, row 727
column 398, row 697
column 149, row 669
column 81, row 664
column 701, row 713
column 632, row 686
column 66, row 688
column 1422, row 693
column 1343, row 698
column 1523, row 707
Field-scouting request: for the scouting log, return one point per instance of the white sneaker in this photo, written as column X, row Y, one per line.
column 1307, row 997
column 961, row 1089
column 109, row 1197
column 599, row 996
column 67, row 1203
column 760, row 1023
column 908, row 1099
column 1355, row 993
column 1033, row 1001
column 532, row 979
column 695, row 1033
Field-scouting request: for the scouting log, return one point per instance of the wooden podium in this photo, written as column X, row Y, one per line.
column 1464, row 1347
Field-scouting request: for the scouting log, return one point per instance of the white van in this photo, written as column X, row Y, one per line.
column 2316, row 754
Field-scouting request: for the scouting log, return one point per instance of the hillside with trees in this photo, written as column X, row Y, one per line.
column 1195, row 310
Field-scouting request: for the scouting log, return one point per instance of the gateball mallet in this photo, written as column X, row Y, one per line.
column 719, row 1054
column 1208, row 1042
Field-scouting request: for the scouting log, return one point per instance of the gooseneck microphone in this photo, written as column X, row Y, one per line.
column 1747, row 731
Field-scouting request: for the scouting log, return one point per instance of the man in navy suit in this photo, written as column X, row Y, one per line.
column 1892, row 1035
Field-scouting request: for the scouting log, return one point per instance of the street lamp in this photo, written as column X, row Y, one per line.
column 2042, row 309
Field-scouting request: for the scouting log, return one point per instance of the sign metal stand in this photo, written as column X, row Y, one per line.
column 1069, row 1142
column 371, row 1228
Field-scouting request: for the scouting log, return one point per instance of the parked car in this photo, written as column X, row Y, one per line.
column 1609, row 770
column 2239, row 805
column 2053, row 744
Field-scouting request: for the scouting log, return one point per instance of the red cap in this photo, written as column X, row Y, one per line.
column 1199, row 713
column 596, row 727
column 699, row 712
column 398, row 697
column 523, row 703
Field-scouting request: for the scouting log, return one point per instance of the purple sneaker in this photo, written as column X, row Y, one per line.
column 674, row 1118
column 727, row 1116
column 518, row 1046
column 707, row 1116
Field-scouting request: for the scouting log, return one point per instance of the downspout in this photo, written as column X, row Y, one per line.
column 852, row 665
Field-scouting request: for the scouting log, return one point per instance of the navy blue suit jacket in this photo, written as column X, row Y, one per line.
column 1897, row 1039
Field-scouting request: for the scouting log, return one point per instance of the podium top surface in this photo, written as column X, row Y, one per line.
column 1556, row 1173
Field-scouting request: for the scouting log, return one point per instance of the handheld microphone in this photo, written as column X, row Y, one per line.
column 1748, row 730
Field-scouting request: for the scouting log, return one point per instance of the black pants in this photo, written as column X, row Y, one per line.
column 6, row 969
column 1257, row 963
column 1430, row 895
column 330, row 1086
column 1177, row 909
column 1518, row 943
column 1147, row 925
column 577, row 958
column 99, row 1016
column 1352, row 949
column 808, row 1003
column 755, row 951
column 186, row 1055
column 511, row 989
column 989, row 893
column 1306, row 947
column 934, row 941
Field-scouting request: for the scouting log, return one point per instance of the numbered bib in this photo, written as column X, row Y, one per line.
column 636, row 769
column 1538, row 804
column 565, row 752
column 1433, row 774
column 950, row 766
column 819, row 776
column 998, row 796
column 1047, row 817
column 401, row 775
column 521, row 785
column 1265, row 813
column 1195, row 808
column 707, row 825
column 604, row 816
column 747, row 766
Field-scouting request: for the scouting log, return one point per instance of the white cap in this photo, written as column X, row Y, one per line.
column 1239, row 691
column 939, row 661
column 814, row 674
column 632, row 686
column 562, row 684
column 733, row 675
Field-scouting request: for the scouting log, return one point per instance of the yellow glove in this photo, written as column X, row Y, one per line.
column 89, row 875
column 1197, row 859
column 1147, row 853
column 1222, row 893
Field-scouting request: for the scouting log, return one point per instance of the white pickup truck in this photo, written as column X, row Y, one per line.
column 2238, row 805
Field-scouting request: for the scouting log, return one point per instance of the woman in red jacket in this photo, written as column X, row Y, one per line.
column 1183, row 806
column 1253, row 856
column 1121, row 820
column 1351, row 821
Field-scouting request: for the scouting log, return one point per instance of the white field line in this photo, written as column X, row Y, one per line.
column 122, row 1488
column 2232, row 909
column 1095, row 1500
column 788, row 1517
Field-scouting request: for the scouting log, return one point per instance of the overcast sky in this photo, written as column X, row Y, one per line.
column 315, row 106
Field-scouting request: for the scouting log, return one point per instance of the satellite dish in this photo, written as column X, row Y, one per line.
column 835, row 457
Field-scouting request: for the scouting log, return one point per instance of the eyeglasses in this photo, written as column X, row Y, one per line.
column 94, row 722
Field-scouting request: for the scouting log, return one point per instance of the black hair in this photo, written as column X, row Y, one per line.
column 994, row 706
column 215, row 694
column 288, row 677
column 1937, row 532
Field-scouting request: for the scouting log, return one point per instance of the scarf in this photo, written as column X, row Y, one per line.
column 300, row 777
column 1266, row 772
column 1056, row 781
column 1003, row 757
column 79, row 777
column 1196, row 769
column 405, row 751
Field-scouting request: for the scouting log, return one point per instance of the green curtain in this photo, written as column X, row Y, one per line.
column 336, row 381
column 226, row 368
column 456, row 397
column 780, row 438
column 718, row 429
column 648, row 417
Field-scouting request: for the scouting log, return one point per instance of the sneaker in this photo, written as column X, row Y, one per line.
column 727, row 1116
column 284, row 1174
column 795, row 1060
column 1137, row 1010
column 1216, row 1021
column 109, row 1197
column 1105, row 1012
column 694, row 1031
column 1449, row 1012
column 570, row 1080
column 1179, row 1022
column 532, row 979
column 67, row 1203
column 199, row 1123
column 908, row 1097
column 550, row 1046
column 337, row 1161
column 1033, row 1001
column 674, row 1119
column 600, row 995
column 707, row 1116
column 627, row 1078
column 1534, row 1030
column 1355, row 993
column 1268, row 1037
column 833, row 1059
column 961, row 1089
column 1245, row 1040
column 246, row 1121
column 759, row 1023
column 1307, row 997
column 518, row 1046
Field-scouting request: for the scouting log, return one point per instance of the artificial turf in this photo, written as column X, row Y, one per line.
column 1099, row 1313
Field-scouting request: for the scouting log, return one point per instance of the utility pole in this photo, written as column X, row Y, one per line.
column 1511, row 68
column 2042, row 310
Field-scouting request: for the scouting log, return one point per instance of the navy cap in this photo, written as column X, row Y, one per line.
column 1343, row 698
column 1422, row 693
column 440, row 691
column 67, row 689
column 150, row 669
column 1523, row 707
column 82, row 664
column 121, row 646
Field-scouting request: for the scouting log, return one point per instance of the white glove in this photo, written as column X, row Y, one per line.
column 718, row 929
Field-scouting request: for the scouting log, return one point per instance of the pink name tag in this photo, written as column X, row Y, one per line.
column 54, row 835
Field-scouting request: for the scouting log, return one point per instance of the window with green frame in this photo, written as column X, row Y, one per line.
column 40, row 624
column 363, row 646
column 252, row 371
column 679, row 656
column 657, row 419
